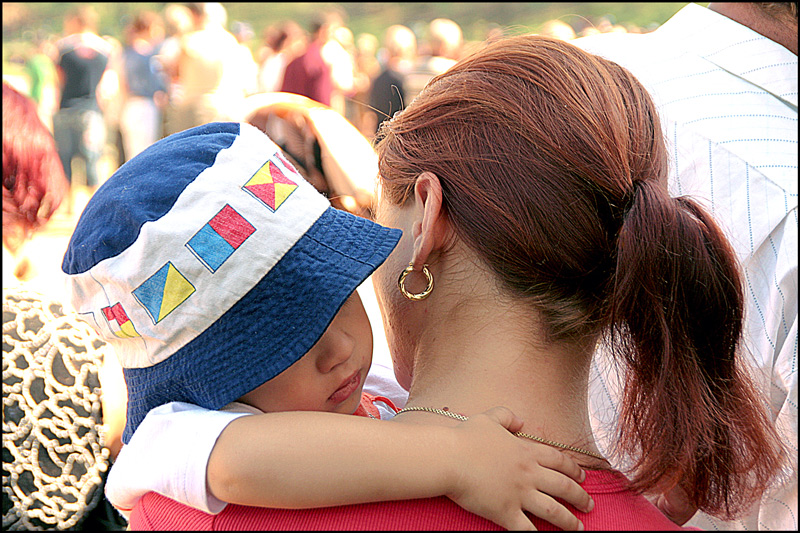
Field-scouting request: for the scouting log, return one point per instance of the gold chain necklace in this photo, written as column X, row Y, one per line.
column 457, row 416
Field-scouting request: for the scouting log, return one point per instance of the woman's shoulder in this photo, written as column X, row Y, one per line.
column 620, row 508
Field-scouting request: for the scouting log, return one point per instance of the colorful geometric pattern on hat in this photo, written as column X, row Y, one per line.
column 270, row 185
column 174, row 271
column 119, row 322
column 217, row 240
column 163, row 292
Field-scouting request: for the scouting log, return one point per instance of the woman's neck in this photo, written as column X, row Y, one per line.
column 484, row 352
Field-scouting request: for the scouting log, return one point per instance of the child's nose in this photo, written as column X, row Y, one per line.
column 338, row 349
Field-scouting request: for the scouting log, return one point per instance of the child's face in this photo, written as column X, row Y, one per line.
column 331, row 375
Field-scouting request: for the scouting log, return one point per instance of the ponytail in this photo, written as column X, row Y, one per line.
column 690, row 414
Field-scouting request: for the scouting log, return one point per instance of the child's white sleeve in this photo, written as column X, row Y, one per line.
column 168, row 454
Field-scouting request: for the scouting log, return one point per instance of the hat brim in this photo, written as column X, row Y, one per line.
column 273, row 325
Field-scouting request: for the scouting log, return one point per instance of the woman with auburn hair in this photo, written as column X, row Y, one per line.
column 530, row 182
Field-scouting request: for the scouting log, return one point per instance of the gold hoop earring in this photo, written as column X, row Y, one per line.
column 419, row 296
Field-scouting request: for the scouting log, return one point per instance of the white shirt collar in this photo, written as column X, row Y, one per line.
column 733, row 47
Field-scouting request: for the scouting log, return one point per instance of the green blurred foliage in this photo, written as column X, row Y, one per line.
column 23, row 21
column 370, row 17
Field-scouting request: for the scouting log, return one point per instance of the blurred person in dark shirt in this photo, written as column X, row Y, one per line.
column 388, row 95
column 78, row 126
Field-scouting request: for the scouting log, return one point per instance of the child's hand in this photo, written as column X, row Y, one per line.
column 500, row 475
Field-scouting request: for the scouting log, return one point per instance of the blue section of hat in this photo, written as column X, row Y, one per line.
column 116, row 213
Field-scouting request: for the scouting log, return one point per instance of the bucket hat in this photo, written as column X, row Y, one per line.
column 211, row 266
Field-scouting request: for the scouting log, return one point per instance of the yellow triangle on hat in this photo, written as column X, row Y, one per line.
column 176, row 290
column 282, row 192
column 127, row 330
column 261, row 177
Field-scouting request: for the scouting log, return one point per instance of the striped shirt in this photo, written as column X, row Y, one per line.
column 727, row 98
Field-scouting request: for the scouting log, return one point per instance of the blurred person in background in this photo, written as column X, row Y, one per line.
column 309, row 74
column 388, row 94
column 367, row 54
column 282, row 43
column 111, row 97
column 494, row 33
column 78, row 125
column 208, row 78
column 605, row 24
column 445, row 42
column 41, row 70
column 216, row 14
column 177, row 23
column 143, row 84
column 588, row 31
column 558, row 29
column 367, row 69
column 339, row 53
column 248, row 69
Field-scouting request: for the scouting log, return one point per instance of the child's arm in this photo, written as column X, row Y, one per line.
column 314, row 459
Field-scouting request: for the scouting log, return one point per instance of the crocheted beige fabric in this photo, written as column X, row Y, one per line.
column 54, row 459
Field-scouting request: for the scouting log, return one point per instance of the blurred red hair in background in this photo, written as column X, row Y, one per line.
column 33, row 178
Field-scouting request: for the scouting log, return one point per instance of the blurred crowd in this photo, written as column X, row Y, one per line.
column 189, row 64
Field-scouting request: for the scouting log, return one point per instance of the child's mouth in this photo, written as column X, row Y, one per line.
column 347, row 388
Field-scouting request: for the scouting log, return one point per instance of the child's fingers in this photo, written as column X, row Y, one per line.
column 550, row 510
column 505, row 417
column 558, row 485
column 560, row 462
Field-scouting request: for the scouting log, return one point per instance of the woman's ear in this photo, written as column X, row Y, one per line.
column 431, row 227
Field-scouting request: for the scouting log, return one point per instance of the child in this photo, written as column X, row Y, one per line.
column 227, row 282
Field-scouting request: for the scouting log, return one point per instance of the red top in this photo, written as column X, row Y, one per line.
column 616, row 508
column 309, row 75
